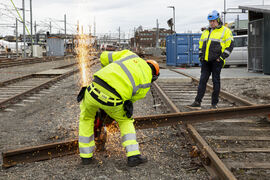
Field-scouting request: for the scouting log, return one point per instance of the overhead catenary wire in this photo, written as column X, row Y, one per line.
column 20, row 16
column 9, row 13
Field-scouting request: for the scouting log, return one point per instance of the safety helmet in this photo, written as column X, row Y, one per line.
column 155, row 69
column 154, row 66
column 214, row 15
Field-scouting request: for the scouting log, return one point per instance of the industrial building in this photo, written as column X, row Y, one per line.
column 148, row 38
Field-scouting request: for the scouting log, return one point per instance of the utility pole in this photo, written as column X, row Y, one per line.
column 237, row 21
column 174, row 19
column 50, row 27
column 94, row 26
column 157, row 35
column 17, row 37
column 35, row 27
column 89, row 26
column 134, row 37
column 23, row 5
column 224, row 12
column 119, row 37
column 31, row 16
column 65, row 20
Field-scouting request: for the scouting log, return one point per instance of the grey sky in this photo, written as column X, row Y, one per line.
column 109, row 15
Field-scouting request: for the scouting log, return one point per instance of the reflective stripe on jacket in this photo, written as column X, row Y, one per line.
column 129, row 75
column 108, row 57
column 215, row 44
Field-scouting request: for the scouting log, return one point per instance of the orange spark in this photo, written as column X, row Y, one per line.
column 83, row 49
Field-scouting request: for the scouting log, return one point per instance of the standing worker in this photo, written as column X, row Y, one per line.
column 216, row 44
column 124, row 78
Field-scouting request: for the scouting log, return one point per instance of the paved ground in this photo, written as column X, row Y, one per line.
column 233, row 72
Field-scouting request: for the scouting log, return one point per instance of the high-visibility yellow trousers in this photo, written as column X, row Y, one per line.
column 89, row 106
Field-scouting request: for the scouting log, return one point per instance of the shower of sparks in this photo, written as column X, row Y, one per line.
column 84, row 51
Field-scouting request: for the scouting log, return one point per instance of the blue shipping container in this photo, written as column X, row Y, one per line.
column 182, row 49
column 170, row 48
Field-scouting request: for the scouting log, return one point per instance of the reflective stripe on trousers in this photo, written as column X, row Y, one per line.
column 128, row 137
column 87, row 150
column 86, row 140
column 132, row 147
column 83, row 139
column 130, row 144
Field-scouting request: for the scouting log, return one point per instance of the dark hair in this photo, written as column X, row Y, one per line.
column 153, row 68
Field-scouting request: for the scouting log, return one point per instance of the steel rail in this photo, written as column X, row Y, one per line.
column 19, row 62
column 215, row 166
column 223, row 94
column 201, row 116
column 46, row 84
column 49, row 151
column 39, row 153
column 11, row 158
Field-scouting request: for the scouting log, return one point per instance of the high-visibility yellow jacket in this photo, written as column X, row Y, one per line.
column 108, row 57
column 127, row 73
column 216, row 44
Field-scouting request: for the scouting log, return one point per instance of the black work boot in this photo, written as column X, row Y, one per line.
column 214, row 106
column 86, row 161
column 136, row 160
column 195, row 105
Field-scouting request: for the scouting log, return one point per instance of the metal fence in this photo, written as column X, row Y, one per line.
column 255, row 45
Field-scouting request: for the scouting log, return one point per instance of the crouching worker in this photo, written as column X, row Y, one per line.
column 123, row 79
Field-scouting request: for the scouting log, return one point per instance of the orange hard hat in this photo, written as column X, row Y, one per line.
column 155, row 65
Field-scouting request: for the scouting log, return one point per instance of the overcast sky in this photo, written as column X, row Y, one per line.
column 109, row 15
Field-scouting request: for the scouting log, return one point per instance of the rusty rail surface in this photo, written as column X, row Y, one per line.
column 39, row 153
column 200, row 116
column 214, row 165
column 49, row 151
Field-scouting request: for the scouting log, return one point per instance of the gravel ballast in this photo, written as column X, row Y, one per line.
column 55, row 117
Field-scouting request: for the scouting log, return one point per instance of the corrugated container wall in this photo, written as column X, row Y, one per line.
column 183, row 49
column 55, row 47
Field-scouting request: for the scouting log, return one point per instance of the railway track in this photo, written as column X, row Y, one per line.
column 200, row 125
column 17, row 89
column 5, row 62
column 230, row 149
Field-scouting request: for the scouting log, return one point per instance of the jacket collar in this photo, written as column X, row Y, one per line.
column 218, row 27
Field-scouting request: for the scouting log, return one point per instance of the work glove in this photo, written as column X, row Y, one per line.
column 81, row 94
column 128, row 107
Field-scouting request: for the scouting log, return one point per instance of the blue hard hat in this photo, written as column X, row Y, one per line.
column 213, row 15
